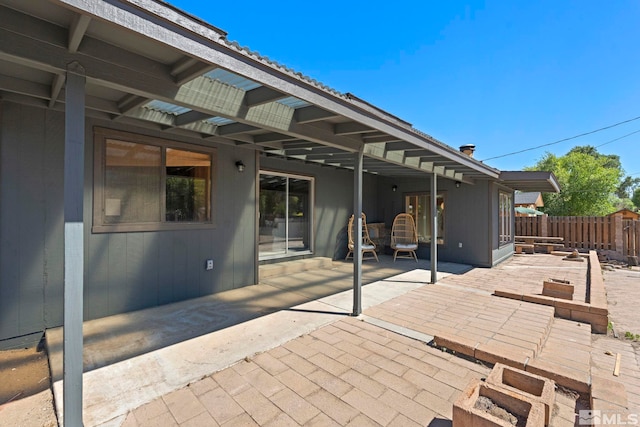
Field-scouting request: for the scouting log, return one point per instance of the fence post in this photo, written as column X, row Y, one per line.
column 618, row 239
column 543, row 221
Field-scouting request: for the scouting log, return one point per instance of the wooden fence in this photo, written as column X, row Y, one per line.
column 585, row 232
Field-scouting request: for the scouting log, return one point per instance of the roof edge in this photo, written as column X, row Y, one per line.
column 543, row 181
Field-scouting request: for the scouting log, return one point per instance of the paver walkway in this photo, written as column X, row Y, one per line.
column 524, row 273
column 482, row 321
column 354, row 372
column 348, row 373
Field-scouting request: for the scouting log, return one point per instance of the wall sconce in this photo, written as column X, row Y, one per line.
column 240, row 166
column 458, row 184
column 394, row 188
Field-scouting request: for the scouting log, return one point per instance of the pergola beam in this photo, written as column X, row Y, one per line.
column 77, row 31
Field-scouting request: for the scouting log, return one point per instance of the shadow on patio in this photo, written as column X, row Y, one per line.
column 120, row 337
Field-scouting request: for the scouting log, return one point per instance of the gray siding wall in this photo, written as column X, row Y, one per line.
column 123, row 271
column 467, row 218
column 31, row 219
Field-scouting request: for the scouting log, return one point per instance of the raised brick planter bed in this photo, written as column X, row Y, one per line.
column 534, row 387
column 557, row 289
column 465, row 413
column 594, row 311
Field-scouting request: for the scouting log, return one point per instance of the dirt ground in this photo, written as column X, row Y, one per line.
column 25, row 389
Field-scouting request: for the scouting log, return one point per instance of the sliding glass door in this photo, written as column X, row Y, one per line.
column 285, row 215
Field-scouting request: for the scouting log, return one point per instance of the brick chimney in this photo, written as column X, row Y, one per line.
column 468, row 149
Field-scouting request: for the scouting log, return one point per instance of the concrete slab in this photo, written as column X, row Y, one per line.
column 133, row 358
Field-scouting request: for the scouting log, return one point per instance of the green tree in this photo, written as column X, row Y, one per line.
column 588, row 182
column 627, row 187
column 636, row 197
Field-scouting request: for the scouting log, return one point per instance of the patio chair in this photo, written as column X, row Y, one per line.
column 367, row 245
column 404, row 237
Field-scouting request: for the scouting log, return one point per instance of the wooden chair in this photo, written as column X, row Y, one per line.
column 404, row 237
column 367, row 245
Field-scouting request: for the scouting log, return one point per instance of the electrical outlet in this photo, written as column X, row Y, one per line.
column 459, row 244
column 209, row 265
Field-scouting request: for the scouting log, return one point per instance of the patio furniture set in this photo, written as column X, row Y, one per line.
column 403, row 238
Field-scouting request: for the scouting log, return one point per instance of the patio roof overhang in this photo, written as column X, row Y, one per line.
column 541, row 181
column 152, row 65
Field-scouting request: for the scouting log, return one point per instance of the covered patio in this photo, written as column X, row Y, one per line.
column 81, row 80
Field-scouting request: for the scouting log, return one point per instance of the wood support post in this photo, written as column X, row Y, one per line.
column 434, row 228
column 357, row 239
column 73, row 244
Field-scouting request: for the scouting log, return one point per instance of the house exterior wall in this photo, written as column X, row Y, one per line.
column 123, row 271
column 466, row 217
column 134, row 270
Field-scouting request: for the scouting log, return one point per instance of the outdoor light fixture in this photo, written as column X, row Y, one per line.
column 394, row 188
column 458, row 184
column 240, row 166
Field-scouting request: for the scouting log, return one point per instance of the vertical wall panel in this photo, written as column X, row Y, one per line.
column 118, row 287
column 53, row 217
column 30, row 219
column 179, row 262
column 165, row 268
column 96, row 295
column 149, row 269
column 9, row 232
column 134, row 297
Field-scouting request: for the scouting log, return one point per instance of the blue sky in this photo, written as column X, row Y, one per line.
column 503, row 75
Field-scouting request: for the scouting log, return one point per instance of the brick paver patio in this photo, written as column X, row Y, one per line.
column 349, row 373
column 382, row 368
column 353, row 372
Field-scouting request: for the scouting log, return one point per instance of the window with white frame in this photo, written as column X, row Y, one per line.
column 505, row 218
column 143, row 183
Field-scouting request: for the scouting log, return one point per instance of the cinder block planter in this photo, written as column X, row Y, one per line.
column 467, row 414
column 557, row 289
column 533, row 387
